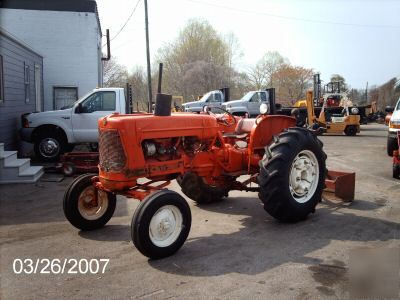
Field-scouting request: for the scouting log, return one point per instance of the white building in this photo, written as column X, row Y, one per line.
column 68, row 35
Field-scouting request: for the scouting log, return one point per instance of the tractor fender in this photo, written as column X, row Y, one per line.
column 266, row 128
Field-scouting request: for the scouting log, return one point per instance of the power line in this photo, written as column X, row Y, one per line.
column 127, row 20
column 292, row 18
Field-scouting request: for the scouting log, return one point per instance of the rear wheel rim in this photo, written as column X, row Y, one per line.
column 304, row 176
column 49, row 147
column 90, row 208
column 165, row 226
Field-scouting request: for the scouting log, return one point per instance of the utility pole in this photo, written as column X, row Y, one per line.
column 148, row 56
column 366, row 93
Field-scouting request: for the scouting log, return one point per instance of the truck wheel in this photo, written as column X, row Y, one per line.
column 350, row 130
column 392, row 145
column 396, row 171
column 94, row 147
column 196, row 189
column 82, row 209
column 68, row 169
column 161, row 224
column 48, row 146
column 292, row 175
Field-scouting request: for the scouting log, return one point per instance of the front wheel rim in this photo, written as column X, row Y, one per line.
column 91, row 208
column 304, row 176
column 49, row 147
column 165, row 226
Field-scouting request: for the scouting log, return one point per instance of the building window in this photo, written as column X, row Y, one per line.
column 27, row 82
column 1, row 80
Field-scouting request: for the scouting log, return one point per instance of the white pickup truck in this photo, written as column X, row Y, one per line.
column 55, row 132
column 249, row 104
column 211, row 99
column 394, row 127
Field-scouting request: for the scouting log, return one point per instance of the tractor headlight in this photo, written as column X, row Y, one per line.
column 264, row 108
column 355, row 111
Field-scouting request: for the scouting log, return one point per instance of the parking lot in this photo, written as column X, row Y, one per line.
column 234, row 250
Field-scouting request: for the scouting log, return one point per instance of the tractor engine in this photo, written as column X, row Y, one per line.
column 154, row 147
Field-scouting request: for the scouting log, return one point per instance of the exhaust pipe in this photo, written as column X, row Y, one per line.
column 163, row 105
column 163, row 101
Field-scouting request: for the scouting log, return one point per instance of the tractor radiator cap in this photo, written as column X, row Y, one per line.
column 163, row 105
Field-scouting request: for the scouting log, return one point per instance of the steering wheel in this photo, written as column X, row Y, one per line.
column 230, row 121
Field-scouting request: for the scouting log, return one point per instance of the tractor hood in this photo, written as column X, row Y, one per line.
column 149, row 126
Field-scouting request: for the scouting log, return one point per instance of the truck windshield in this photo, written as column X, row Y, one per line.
column 80, row 99
column 204, row 98
column 398, row 105
column 248, row 96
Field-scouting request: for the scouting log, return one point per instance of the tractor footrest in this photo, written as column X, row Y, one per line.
column 341, row 184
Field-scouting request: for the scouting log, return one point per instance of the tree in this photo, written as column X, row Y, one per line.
column 291, row 83
column 114, row 74
column 234, row 54
column 138, row 79
column 199, row 60
column 339, row 78
column 260, row 75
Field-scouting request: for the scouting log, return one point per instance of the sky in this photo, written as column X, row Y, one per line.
column 359, row 40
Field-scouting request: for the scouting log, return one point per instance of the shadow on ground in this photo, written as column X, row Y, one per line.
column 263, row 243
column 40, row 203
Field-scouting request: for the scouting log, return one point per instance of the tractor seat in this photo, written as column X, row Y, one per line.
column 243, row 128
column 245, row 125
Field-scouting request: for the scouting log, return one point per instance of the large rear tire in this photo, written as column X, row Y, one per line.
column 196, row 189
column 292, row 175
column 161, row 224
column 82, row 209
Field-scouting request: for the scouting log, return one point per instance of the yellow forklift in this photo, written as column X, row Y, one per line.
column 334, row 123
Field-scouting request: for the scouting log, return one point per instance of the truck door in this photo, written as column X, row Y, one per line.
column 254, row 104
column 215, row 101
column 85, row 117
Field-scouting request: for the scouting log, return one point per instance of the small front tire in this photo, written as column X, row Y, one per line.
column 82, row 209
column 350, row 130
column 161, row 224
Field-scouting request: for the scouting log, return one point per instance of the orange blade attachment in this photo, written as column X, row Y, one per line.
column 342, row 184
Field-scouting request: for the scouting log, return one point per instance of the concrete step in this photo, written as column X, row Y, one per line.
column 21, row 164
column 8, row 156
column 14, row 170
column 31, row 171
column 29, row 175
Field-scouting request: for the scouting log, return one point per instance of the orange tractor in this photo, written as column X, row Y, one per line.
column 206, row 153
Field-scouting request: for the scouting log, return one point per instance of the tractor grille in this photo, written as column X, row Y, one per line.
column 112, row 155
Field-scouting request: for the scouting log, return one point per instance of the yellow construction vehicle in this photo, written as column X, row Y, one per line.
column 176, row 103
column 336, row 123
